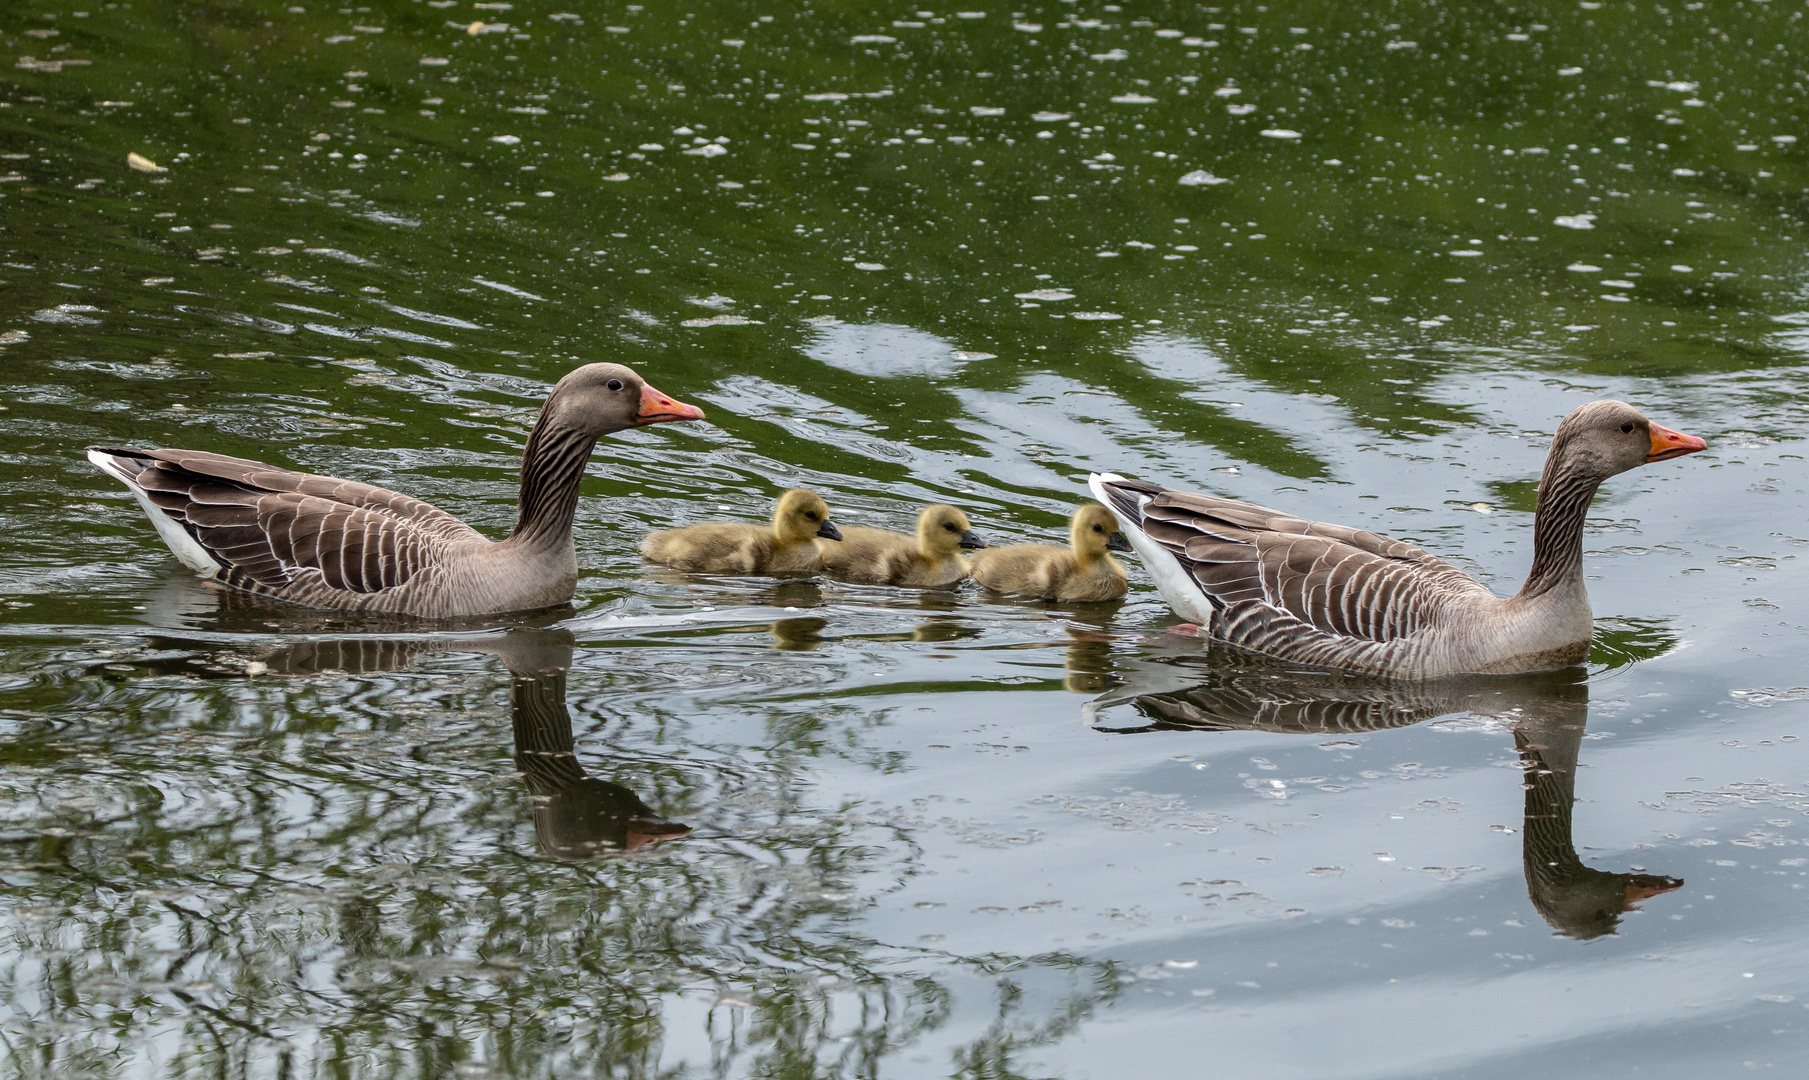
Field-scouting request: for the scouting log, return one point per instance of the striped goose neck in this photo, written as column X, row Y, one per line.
column 551, row 468
column 1565, row 493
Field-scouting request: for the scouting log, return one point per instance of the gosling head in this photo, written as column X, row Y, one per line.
column 1094, row 531
column 602, row 398
column 1603, row 438
column 801, row 516
column 943, row 530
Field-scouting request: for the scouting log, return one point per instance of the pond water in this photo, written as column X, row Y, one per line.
column 1353, row 262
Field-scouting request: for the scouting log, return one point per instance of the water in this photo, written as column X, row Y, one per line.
column 1351, row 263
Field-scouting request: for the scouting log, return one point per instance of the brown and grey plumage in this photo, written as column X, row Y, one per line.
column 1082, row 571
column 1338, row 597
column 930, row 560
column 787, row 546
column 340, row 544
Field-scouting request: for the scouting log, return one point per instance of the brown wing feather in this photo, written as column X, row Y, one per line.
column 1331, row 579
column 269, row 526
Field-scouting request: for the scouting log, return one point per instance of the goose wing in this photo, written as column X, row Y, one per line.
column 1264, row 570
column 271, row 528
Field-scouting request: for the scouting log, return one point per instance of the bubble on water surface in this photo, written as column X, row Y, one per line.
column 1575, row 221
column 1682, row 269
column 1046, row 117
column 828, row 95
column 1045, row 294
column 1280, row 133
column 1201, row 178
column 623, row 176
column 506, row 140
column 869, row 266
column 986, row 110
column 872, row 39
column 1240, row 110
column 1585, row 268
column 1115, row 54
column 1570, row 71
column 1618, row 284
column 1467, row 253
column 1133, row 98
column 1783, row 138
column 1096, row 316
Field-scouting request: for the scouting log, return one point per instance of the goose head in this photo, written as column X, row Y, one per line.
column 1603, row 438
column 1094, row 531
column 801, row 516
column 943, row 530
column 601, row 398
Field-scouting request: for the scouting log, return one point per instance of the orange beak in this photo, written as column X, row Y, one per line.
column 1669, row 444
column 657, row 408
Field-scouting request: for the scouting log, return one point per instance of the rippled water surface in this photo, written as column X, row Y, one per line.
column 1354, row 261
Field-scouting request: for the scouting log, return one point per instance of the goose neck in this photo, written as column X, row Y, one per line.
column 552, row 466
column 1564, row 498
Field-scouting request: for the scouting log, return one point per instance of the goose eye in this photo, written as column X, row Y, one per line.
column 614, row 384
column 1627, row 427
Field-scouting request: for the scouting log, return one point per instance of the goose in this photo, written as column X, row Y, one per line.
column 323, row 542
column 1084, row 570
column 1336, row 597
column 929, row 560
column 737, row 547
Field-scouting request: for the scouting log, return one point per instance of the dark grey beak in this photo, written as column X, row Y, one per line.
column 970, row 539
column 1117, row 542
column 828, row 531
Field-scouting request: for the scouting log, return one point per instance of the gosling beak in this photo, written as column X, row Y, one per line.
column 1117, row 542
column 1669, row 444
column 828, row 531
column 971, row 539
column 657, row 408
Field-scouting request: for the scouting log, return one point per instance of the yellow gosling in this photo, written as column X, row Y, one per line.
column 930, row 560
column 1083, row 571
column 787, row 546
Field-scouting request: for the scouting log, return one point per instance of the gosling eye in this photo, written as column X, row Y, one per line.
column 1098, row 529
column 811, row 514
column 614, row 384
column 950, row 528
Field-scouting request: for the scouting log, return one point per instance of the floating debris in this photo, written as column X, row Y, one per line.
column 1575, row 221
column 723, row 320
column 869, row 266
column 1201, row 178
column 140, row 163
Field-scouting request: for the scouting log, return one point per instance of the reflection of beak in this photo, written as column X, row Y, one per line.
column 971, row 539
column 1117, row 542
column 647, row 833
column 1669, row 444
column 657, row 408
column 828, row 531
column 1646, row 886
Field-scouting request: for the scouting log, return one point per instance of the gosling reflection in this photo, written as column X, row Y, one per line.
column 1548, row 714
column 576, row 815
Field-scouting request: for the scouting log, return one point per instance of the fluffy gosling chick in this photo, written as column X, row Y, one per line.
column 788, row 545
column 929, row 560
column 1083, row 571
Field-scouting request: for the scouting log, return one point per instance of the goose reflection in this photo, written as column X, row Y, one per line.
column 1548, row 714
column 576, row 815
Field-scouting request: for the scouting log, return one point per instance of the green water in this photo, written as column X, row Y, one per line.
column 1354, row 262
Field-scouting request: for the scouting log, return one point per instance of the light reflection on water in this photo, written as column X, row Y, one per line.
column 245, row 839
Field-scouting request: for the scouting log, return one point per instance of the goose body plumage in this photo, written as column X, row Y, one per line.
column 339, row 544
column 1332, row 596
column 1083, row 571
column 787, row 546
column 929, row 560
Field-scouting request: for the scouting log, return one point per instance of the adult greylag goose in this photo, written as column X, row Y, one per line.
column 930, row 560
column 1082, row 571
column 331, row 543
column 787, row 546
column 1338, row 597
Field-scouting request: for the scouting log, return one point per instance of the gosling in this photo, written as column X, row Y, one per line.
column 1084, row 572
column 788, row 546
column 929, row 560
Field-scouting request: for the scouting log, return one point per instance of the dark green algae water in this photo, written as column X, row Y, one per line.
column 744, row 828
